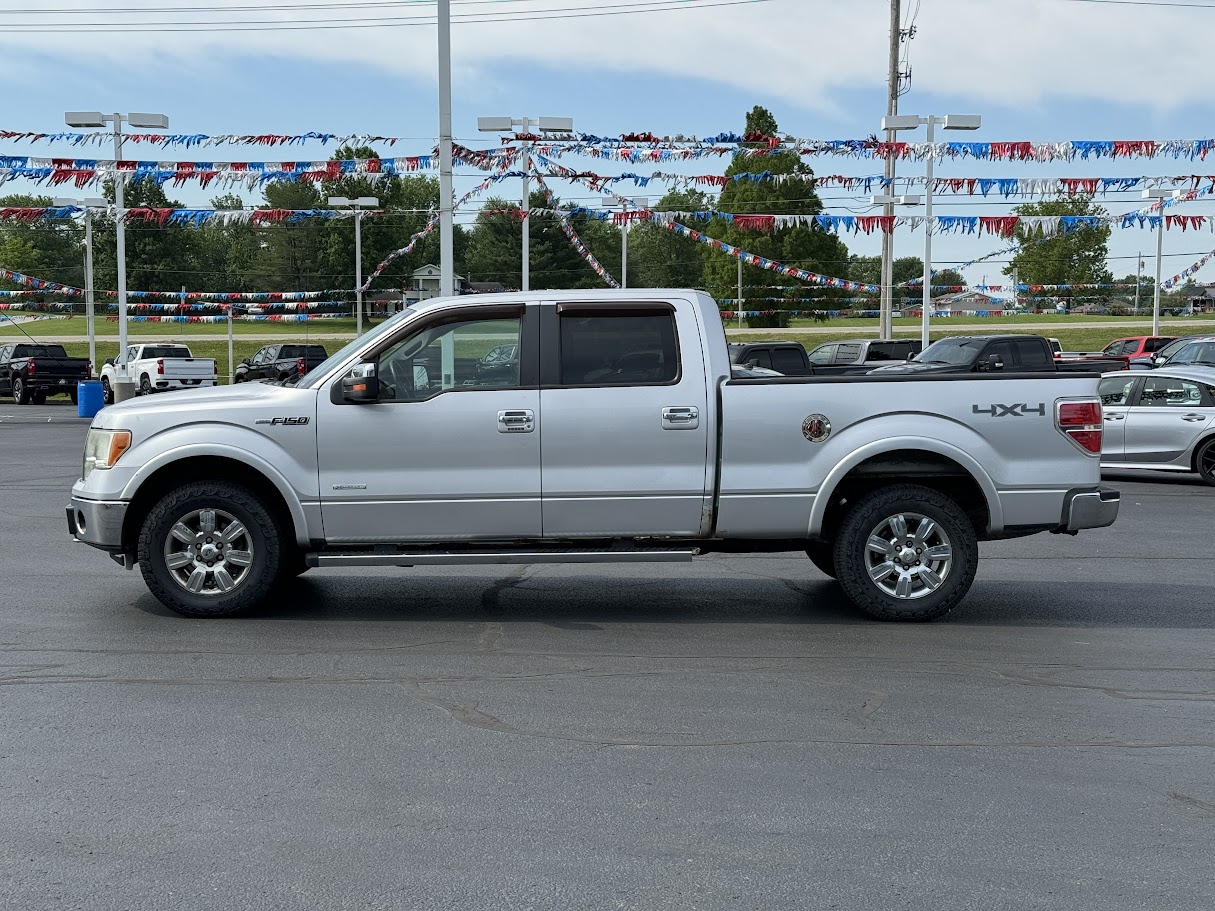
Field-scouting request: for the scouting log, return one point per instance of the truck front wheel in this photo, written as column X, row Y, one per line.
column 906, row 552
column 107, row 392
column 210, row 549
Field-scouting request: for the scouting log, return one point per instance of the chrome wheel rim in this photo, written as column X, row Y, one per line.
column 908, row 556
column 209, row 552
column 17, row 390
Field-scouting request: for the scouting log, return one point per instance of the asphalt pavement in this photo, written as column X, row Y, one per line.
column 722, row 734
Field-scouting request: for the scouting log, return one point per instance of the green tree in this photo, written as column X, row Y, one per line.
column 49, row 248
column 659, row 258
column 800, row 245
column 158, row 257
column 1073, row 258
column 289, row 254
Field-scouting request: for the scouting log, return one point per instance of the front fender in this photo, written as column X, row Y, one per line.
column 892, row 444
column 291, row 490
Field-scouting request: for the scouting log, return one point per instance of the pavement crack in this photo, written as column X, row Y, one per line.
column 1205, row 807
column 491, row 597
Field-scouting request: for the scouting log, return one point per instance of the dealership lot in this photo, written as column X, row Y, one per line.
column 728, row 733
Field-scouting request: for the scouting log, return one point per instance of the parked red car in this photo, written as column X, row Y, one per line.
column 1136, row 346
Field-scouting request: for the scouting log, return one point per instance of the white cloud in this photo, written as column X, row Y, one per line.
column 1016, row 52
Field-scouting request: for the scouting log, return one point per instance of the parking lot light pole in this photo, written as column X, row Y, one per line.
column 88, row 205
column 1158, row 195
column 626, row 206
column 124, row 386
column 358, row 205
column 912, row 122
column 524, row 125
column 907, row 200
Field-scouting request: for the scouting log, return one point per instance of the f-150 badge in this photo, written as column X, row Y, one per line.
column 1004, row 411
column 816, row 428
column 283, row 422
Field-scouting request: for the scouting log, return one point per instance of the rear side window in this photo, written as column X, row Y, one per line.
column 847, row 353
column 881, row 353
column 1033, row 353
column 626, row 348
column 787, row 361
column 291, row 351
column 1155, row 344
column 1115, row 390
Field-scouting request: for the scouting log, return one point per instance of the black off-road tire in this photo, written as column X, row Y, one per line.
column 264, row 572
column 38, row 398
column 107, row 391
column 21, row 392
column 852, row 542
column 1204, row 461
column 145, row 385
column 74, row 395
column 822, row 555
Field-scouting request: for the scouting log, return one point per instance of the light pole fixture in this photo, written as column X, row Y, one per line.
column 358, row 205
column 912, row 122
column 88, row 205
column 1158, row 195
column 124, row 385
column 525, row 125
column 626, row 205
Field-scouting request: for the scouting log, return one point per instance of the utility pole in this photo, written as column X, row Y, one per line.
column 886, row 307
column 447, row 265
column 1138, row 278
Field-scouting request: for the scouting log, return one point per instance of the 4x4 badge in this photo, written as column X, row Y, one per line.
column 816, row 428
column 1003, row 411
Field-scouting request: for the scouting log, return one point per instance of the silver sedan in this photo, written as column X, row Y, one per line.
column 1160, row 421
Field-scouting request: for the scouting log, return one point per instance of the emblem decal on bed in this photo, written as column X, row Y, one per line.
column 816, row 428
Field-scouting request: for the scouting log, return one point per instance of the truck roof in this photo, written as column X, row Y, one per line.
column 607, row 295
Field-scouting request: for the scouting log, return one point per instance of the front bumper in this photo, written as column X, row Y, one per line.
column 97, row 522
column 1094, row 507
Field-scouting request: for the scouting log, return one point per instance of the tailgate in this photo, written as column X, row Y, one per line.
column 64, row 368
column 189, row 368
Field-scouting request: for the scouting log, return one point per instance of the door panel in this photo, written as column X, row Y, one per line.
column 441, row 456
column 1116, row 395
column 1169, row 415
column 624, row 422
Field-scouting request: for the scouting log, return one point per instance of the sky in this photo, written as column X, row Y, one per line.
column 1040, row 70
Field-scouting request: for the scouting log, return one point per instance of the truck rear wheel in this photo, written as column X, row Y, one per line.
column 906, row 552
column 107, row 391
column 822, row 555
column 21, row 392
column 210, row 549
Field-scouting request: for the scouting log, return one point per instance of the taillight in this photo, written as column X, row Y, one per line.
column 1081, row 422
column 299, row 367
column 160, row 367
column 90, row 369
column 30, row 369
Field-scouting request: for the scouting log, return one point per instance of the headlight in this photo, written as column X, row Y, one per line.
column 103, row 448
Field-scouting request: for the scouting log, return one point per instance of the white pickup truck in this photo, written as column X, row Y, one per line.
column 614, row 433
column 159, row 368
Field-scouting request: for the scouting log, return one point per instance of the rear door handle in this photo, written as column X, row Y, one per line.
column 523, row 421
column 1114, row 417
column 680, row 417
column 1195, row 417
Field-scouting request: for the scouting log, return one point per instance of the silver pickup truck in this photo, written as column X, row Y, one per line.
column 584, row 427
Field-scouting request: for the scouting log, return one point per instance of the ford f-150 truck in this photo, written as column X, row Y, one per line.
column 618, row 436
column 159, row 368
column 29, row 372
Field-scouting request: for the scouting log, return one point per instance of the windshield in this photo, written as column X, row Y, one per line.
column 350, row 348
column 956, row 351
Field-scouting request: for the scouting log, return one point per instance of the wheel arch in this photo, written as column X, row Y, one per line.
column 932, row 463
column 1198, row 447
column 168, row 472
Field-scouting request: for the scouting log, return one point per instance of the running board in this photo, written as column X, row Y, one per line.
column 476, row 558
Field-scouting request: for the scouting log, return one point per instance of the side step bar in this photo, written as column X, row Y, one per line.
column 475, row 558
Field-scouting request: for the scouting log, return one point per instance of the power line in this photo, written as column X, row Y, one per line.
column 428, row 19
column 1166, row 3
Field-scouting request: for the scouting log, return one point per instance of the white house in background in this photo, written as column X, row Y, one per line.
column 425, row 284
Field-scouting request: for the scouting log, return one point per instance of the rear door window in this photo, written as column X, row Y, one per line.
column 1170, row 392
column 624, row 348
column 1033, row 354
column 787, row 361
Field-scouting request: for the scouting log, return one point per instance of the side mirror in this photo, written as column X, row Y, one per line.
column 109, row 362
column 361, row 386
column 246, row 361
column 993, row 362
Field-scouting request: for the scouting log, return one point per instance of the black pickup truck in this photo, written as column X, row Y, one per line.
column 785, row 358
column 279, row 362
column 997, row 353
column 30, row 372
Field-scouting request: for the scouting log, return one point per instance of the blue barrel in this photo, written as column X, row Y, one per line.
column 89, row 398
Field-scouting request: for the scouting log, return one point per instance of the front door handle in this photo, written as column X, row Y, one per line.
column 680, row 417
column 523, row 421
